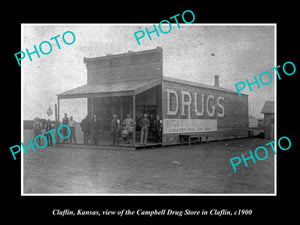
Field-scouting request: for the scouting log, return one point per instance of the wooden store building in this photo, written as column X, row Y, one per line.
column 133, row 83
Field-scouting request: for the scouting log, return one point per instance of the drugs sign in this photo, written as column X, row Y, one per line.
column 188, row 102
column 189, row 107
column 194, row 112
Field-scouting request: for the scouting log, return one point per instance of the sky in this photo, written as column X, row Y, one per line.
column 240, row 53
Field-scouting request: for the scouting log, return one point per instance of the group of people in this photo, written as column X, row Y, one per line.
column 42, row 126
column 145, row 125
column 91, row 129
column 71, row 123
column 125, row 130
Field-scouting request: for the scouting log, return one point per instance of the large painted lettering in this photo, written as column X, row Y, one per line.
column 197, row 105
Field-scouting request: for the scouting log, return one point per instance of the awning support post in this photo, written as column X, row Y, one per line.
column 58, row 108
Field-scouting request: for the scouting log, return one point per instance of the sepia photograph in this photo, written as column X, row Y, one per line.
column 106, row 111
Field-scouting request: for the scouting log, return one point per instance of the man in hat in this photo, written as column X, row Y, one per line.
column 157, row 126
column 86, row 129
column 145, row 124
column 115, row 127
column 49, row 126
column 128, row 124
column 96, row 126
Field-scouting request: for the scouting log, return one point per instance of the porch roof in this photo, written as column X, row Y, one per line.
column 111, row 89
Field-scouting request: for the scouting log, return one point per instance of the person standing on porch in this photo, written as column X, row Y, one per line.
column 115, row 127
column 86, row 129
column 128, row 124
column 145, row 124
column 95, row 130
column 157, row 125
column 138, row 119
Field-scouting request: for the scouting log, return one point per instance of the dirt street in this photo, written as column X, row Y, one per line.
column 202, row 168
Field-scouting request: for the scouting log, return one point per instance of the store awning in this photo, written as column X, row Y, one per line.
column 111, row 89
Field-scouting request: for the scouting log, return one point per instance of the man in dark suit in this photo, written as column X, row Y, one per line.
column 49, row 126
column 95, row 130
column 157, row 126
column 86, row 128
column 145, row 124
column 115, row 128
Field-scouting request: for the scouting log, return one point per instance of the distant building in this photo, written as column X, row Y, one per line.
column 253, row 122
column 260, row 123
column 268, row 125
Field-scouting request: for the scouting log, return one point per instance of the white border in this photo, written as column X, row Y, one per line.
column 22, row 122
column 170, row 194
column 275, row 110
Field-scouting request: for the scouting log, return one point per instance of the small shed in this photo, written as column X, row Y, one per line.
column 268, row 123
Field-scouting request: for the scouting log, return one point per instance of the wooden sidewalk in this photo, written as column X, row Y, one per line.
column 120, row 147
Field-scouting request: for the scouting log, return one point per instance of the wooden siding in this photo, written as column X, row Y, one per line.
column 233, row 124
column 123, row 67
